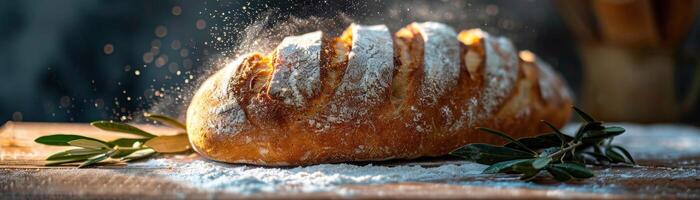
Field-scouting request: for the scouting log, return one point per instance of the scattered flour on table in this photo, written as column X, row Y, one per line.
column 317, row 178
column 643, row 141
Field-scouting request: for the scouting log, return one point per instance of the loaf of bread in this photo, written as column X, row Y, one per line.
column 371, row 96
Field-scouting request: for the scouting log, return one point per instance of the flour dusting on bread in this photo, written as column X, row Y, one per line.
column 296, row 77
column 228, row 73
column 367, row 76
column 441, row 60
column 232, row 118
column 501, row 72
column 357, row 98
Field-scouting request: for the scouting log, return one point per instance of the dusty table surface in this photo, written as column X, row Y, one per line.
column 23, row 176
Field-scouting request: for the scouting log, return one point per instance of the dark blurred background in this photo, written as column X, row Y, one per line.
column 83, row 60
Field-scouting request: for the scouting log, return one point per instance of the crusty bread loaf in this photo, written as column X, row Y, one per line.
column 368, row 96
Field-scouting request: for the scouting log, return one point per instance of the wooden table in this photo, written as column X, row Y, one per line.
column 22, row 176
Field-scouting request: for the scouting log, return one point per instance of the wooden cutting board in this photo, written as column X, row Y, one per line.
column 22, row 176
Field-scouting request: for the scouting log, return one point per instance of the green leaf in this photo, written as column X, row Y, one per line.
column 89, row 144
column 123, row 152
column 140, row 154
column 127, row 142
column 525, row 168
column 614, row 129
column 120, row 127
column 557, row 132
column 77, row 152
column 531, row 142
column 166, row 120
column 72, row 153
column 68, row 160
column 542, row 162
column 503, row 166
column 586, row 128
column 598, row 156
column 554, row 137
column 597, row 149
column 576, row 170
column 98, row 158
column 549, row 151
column 595, row 136
column 625, row 152
column 62, row 139
column 59, row 155
column 505, row 136
column 579, row 158
column 614, row 155
column 559, row 174
column 489, row 154
column 583, row 115
column 540, row 142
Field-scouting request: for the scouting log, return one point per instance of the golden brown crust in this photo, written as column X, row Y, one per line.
column 233, row 119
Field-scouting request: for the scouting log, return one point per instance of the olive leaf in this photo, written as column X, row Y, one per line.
column 93, row 151
column 68, row 160
column 73, row 153
column 559, row 174
column 140, row 154
column 614, row 156
column 598, row 156
column 549, row 151
column 505, row 136
column 575, row 169
column 98, row 158
column 624, row 152
column 584, row 115
column 595, row 136
column 559, row 134
column 165, row 120
column 169, row 144
column 559, row 154
column 541, row 162
column 88, row 144
column 503, row 166
column 540, row 142
column 125, row 152
column 526, row 169
column 62, row 139
column 489, row 154
column 120, row 127
column 127, row 142
column 614, row 129
column 586, row 128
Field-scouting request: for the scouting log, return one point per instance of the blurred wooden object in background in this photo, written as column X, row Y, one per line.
column 628, row 48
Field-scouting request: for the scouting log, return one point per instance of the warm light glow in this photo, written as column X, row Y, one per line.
column 161, row 31
column 472, row 36
column 108, row 49
column 177, row 10
column 201, row 24
column 527, row 56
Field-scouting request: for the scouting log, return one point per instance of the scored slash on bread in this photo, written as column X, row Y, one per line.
column 365, row 83
column 296, row 75
column 367, row 95
column 440, row 60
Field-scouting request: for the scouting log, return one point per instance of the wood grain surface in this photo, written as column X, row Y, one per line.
column 23, row 177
